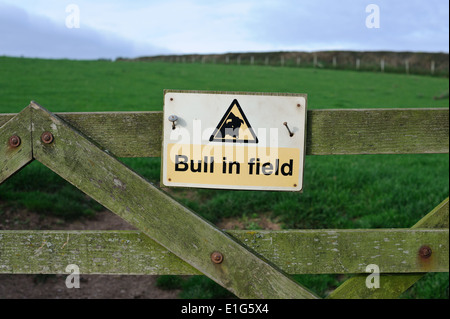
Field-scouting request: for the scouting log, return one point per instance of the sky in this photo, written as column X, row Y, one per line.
column 119, row 28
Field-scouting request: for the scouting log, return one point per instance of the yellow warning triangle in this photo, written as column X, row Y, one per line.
column 234, row 127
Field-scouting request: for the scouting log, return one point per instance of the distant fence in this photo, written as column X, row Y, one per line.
column 436, row 64
column 171, row 239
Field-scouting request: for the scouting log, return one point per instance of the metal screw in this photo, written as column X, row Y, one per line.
column 173, row 119
column 14, row 141
column 425, row 252
column 290, row 133
column 298, row 105
column 47, row 137
column 216, row 257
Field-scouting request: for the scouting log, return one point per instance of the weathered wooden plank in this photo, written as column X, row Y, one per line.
column 392, row 286
column 5, row 117
column 132, row 252
column 378, row 131
column 185, row 234
column 124, row 134
column 94, row 252
column 360, row 131
column 349, row 251
column 13, row 157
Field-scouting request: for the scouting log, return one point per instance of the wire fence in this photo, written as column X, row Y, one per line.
column 435, row 64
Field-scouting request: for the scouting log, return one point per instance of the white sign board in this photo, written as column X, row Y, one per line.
column 227, row 140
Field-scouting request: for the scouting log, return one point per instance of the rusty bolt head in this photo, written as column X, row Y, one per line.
column 14, row 141
column 216, row 257
column 425, row 252
column 47, row 137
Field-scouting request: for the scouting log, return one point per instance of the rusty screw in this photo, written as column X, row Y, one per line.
column 47, row 137
column 425, row 252
column 216, row 257
column 290, row 132
column 14, row 141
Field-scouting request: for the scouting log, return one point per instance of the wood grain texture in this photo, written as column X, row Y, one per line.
column 359, row 131
column 185, row 234
column 13, row 159
column 349, row 251
column 94, row 252
column 392, row 286
column 294, row 251
column 377, row 131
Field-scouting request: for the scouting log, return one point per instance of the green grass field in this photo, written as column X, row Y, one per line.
column 366, row 191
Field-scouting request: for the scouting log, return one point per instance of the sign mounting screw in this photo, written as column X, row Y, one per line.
column 290, row 133
column 173, row 119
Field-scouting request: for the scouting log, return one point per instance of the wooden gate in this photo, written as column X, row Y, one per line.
column 82, row 148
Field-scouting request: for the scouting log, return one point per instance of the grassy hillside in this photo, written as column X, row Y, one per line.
column 110, row 86
column 394, row 62
column 371, row 191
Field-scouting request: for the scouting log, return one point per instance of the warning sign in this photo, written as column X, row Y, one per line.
column 234, row 127
column 250, row 141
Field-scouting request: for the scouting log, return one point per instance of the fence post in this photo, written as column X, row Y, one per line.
column 334, row 62
column 358, row 64
column 315, row 60
column 266, row 61
column 407, row 66
column 433, row 67
column 382, row 65
column 299, row 60
column 252, row 60
column 282, row 60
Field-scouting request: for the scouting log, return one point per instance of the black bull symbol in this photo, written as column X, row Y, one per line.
column 231, row 126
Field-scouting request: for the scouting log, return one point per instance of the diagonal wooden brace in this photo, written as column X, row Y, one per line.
column 193, row 239
column 393, row 285
column 15, row 144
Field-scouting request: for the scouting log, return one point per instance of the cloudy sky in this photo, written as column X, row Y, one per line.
column 109, row 29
